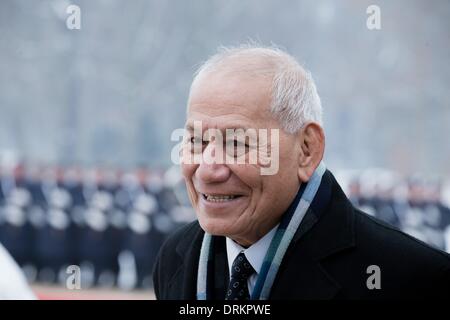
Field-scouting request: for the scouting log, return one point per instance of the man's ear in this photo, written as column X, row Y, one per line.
column 312, row 146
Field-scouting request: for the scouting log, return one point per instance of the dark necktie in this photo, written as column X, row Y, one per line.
column 240, row 272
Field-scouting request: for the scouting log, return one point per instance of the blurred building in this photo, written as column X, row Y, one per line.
column 112, row 92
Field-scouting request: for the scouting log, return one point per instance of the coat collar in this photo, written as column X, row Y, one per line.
column 331, row 214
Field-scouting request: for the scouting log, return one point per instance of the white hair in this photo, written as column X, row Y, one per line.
column 295, row 100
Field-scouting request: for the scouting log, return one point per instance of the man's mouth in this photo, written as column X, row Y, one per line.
column 219, row 197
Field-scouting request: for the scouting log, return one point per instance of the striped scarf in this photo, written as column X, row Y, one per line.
column 278, row 247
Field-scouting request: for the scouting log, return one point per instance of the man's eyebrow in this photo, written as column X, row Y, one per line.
column 190, row 127
column 235, row 128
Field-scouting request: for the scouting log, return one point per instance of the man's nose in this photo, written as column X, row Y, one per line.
column 212, row 168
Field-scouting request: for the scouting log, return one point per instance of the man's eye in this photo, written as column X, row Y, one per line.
column 239, row 144
column 197, row 144
column 238, row 148
column 196, row 140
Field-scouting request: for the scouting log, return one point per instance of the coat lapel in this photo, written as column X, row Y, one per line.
column 327, row 229
column 184, row 281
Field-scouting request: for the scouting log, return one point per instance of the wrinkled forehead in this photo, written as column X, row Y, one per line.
column 230, row 98
column 202, row 124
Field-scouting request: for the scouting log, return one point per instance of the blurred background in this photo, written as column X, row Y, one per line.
column 86, row 118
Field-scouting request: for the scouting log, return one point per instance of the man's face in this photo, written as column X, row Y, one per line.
column 235, row 200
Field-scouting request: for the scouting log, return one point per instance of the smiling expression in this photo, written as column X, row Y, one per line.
column 235, row 200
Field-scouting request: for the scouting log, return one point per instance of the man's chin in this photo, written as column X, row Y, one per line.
column 215, row 227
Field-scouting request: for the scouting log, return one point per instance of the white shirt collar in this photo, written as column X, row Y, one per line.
column 255, row 253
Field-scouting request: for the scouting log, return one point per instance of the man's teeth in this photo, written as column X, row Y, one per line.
column 216, row 198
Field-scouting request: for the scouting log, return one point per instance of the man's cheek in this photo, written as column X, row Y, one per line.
column 249, row 175
column 187, row 170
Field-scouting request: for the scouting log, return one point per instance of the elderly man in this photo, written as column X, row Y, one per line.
column 286, row 234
